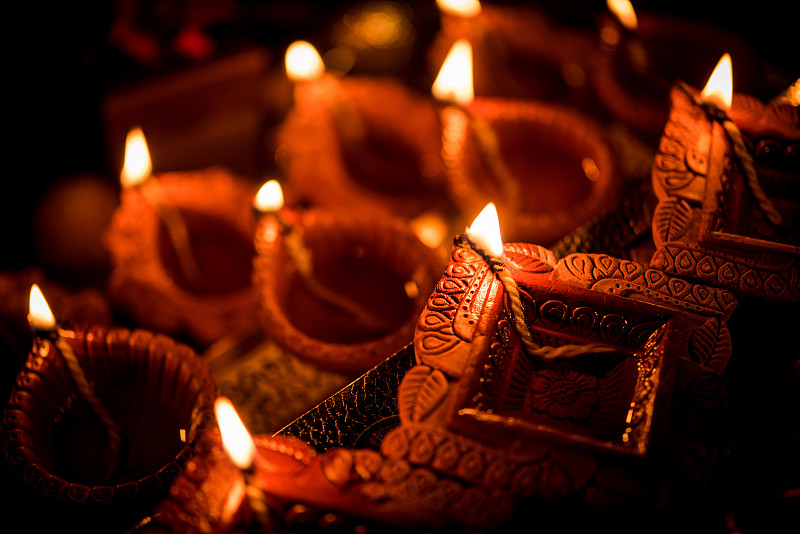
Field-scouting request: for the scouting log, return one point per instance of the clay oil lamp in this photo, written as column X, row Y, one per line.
column 104, row 415
column 181, row 247
column 243, row 483
column 640, row 56
column 726, row 177
column 565, row 367
column 340, row 289
column 519, row 51
column 548, row 169
column 342, row 144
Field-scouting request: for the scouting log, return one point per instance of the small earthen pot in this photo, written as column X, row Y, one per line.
column 182, row 254
column 370, row 277
column 363, row 142
column 561, row 169
column 159, row 392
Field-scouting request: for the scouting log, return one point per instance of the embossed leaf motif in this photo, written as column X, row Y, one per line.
column 711, row 345
column 672, row 218
column 421, row 391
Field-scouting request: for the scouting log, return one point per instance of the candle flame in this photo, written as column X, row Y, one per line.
column 485, row 231
column 269, row 197
column 454, row 81
column 623, row 10
column 462, row 8
column 719, row 89
column 39, row 315
column 303, row 62
column 236, row 439
column 137, row 166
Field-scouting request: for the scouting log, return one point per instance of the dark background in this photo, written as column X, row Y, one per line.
column 61, row 63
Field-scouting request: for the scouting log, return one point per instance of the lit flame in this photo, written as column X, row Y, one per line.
column 269, row 197
column 485, row 231
column 303, row 62
column 454, row 81
column 462, row 8
column 39, row 315
column 623, row 9
column 137, row 166
column 719, row 89
column 235, row 438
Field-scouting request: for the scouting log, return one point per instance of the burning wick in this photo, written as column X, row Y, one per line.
column 241, row 449
column 43, row 323
column 137, row 172
column 484, row 238
column 269, row 202
column 454, row 87
column 716, row 98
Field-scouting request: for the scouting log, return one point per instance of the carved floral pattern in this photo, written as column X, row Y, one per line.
column 564, row 392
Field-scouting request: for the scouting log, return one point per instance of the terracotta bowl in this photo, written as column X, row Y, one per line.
column 148, row 281
column 375, row 262
column 152, row 386
column 562, row 164
column 342, row 145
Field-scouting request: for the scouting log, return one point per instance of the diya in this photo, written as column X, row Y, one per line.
column 639, row 57
column 71, row 430
column 726, row 178
column 489, row 435
column 520, row 51
column 340, row 289
column 547, row 168
column 181, row 249
column 342, row 145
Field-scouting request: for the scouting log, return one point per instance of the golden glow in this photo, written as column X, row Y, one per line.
column 269, row 197
column 137, row 166
column 430, row 228
column 235, row 438
column 39, row 315
column 303, row 62
column 462, row 8
column 485, row 231
column 623, row 10
column 719, row 89
column 454, row 81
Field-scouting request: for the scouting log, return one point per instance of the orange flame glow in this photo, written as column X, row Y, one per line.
column 236, row 439
column 462, row 8
column 137, row 166
column 485, row 231
column 39, row 315
column 719, row 89
column 303, row 62
column 623, row 10
column 269, row 197
column 454, row 81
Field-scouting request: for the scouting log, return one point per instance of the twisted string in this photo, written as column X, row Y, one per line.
column 745, row 160
column 300, row 256
column 532, row 348
column 82, row 383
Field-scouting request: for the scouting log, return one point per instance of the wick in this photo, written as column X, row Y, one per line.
column 531, row 347
column 82, row 384
column 453, row 134
column 741, row 153
column 300, row 257
column 176, row 228
column 258, row 504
